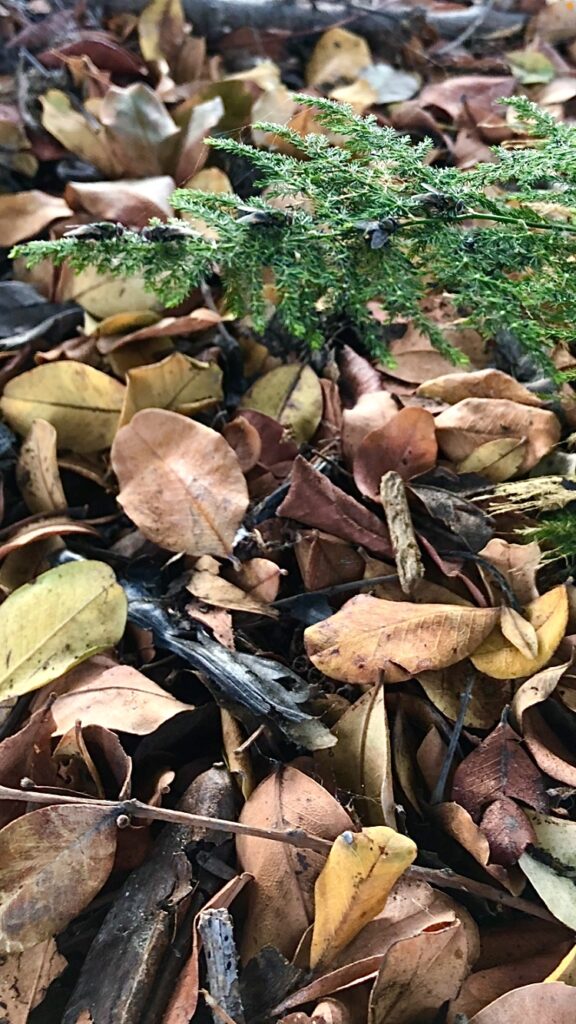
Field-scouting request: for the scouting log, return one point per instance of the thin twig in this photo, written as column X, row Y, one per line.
column 465, row 698
column 137, row 809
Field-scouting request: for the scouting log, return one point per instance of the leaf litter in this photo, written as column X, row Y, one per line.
column 207, row 616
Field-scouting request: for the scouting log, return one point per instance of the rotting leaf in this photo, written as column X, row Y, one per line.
column 369, row 636
column 497, row 768
column 82, row 403
column 63, row 617
column 180, row 482
column 499, row 658
column 354, row 884
column 39, row 855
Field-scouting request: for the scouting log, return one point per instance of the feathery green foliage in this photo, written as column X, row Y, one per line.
column 369, row 221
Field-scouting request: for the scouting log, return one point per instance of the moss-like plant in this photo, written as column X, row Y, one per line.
column 369, row 227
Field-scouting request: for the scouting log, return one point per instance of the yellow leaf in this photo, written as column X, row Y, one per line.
column 178, row 382
column 497, row 460
column 78, row 133
column 550, row 862
column 354, row 885
column 369, row 636
column 338, row 54
column 499, row 658
column 83, row 404
column 52, row 624
column 566, row 970
column 161, row 26
column 290, row 394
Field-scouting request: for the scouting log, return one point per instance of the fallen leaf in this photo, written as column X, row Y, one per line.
column 317, row 502
column 19, row 755
column 131, row 202
column 259, row 578
column 178, row 383
column 361, row 758
column 419, row 975
column 25, row 214
column 33, row 533
column 39, row 854
column 550, row 864
column 138, row 129
column 180, row 482
column 483, row 987
column 536, row 689
column 521, row 633
column 210, row 588
column 62, row 618
column 548, row 1003
column 112, row 337
column 245, row 441
column 113, row 696
column 518, row 563
column 369, row 636
column 37, row 473
column 459, row 824
column 490, row 383
column 497, row 460
column 372, row 410
column 498, row 768
column 324, row 561
column 463, row 427
column 552, row 756
column 338, row 54
column 281, row 900
column 161, row 30
column 78, row 133
column 498, row 658
column 354, row 884
column 566, row 969
column 406, row 444
column 290, row 394
column 26, row 977
column 81, row 403
column 444, row 689
column 507, row 830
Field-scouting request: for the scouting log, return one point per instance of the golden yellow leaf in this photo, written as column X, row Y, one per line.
column 354, row 885
column 338, row 54
column 59, row 620
column 370, row 636
column 290, row 394
column 81, row 403
column 499, row 658
column 178, row 382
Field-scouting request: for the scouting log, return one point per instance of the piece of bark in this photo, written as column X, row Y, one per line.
column 217, row 934
column 402, row 536
column 120, row 970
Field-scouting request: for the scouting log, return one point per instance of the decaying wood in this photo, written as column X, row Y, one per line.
column 217, row 934
column 402, row 536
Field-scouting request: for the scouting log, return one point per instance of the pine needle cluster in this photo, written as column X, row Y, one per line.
column 367, row 224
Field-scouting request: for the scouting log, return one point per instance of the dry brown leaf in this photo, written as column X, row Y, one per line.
column 547, row 1003
column 324, row 561
column 39, row 855
column 37, row 473
column 498, row 658
column 536, row 689
column 406, row 444
column 498, row 767
column 260, row 578
column 521, row 633
column 111, row 337
column 475, row 421
column 444, row 689
column 178, row 383
column 281, row 900
column 482, row 987
column 25, row 978
column 132, row 202
column 114, row 696
column 81, row 403
column 25, row 214
column 458, row 823
column 290, row 394
column 373, row 409
column 245, row 440
column 455, row 387
column 354, row 884
column 210, row 588
column 361, row 758
column 33, row 533
column 419, row 975
column 180, row 482
column 369, row 636
column 518, row 563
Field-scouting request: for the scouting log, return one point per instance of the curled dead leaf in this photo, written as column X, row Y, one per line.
column 501, row 659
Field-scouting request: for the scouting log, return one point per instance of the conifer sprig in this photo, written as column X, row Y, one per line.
column 370, row 221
